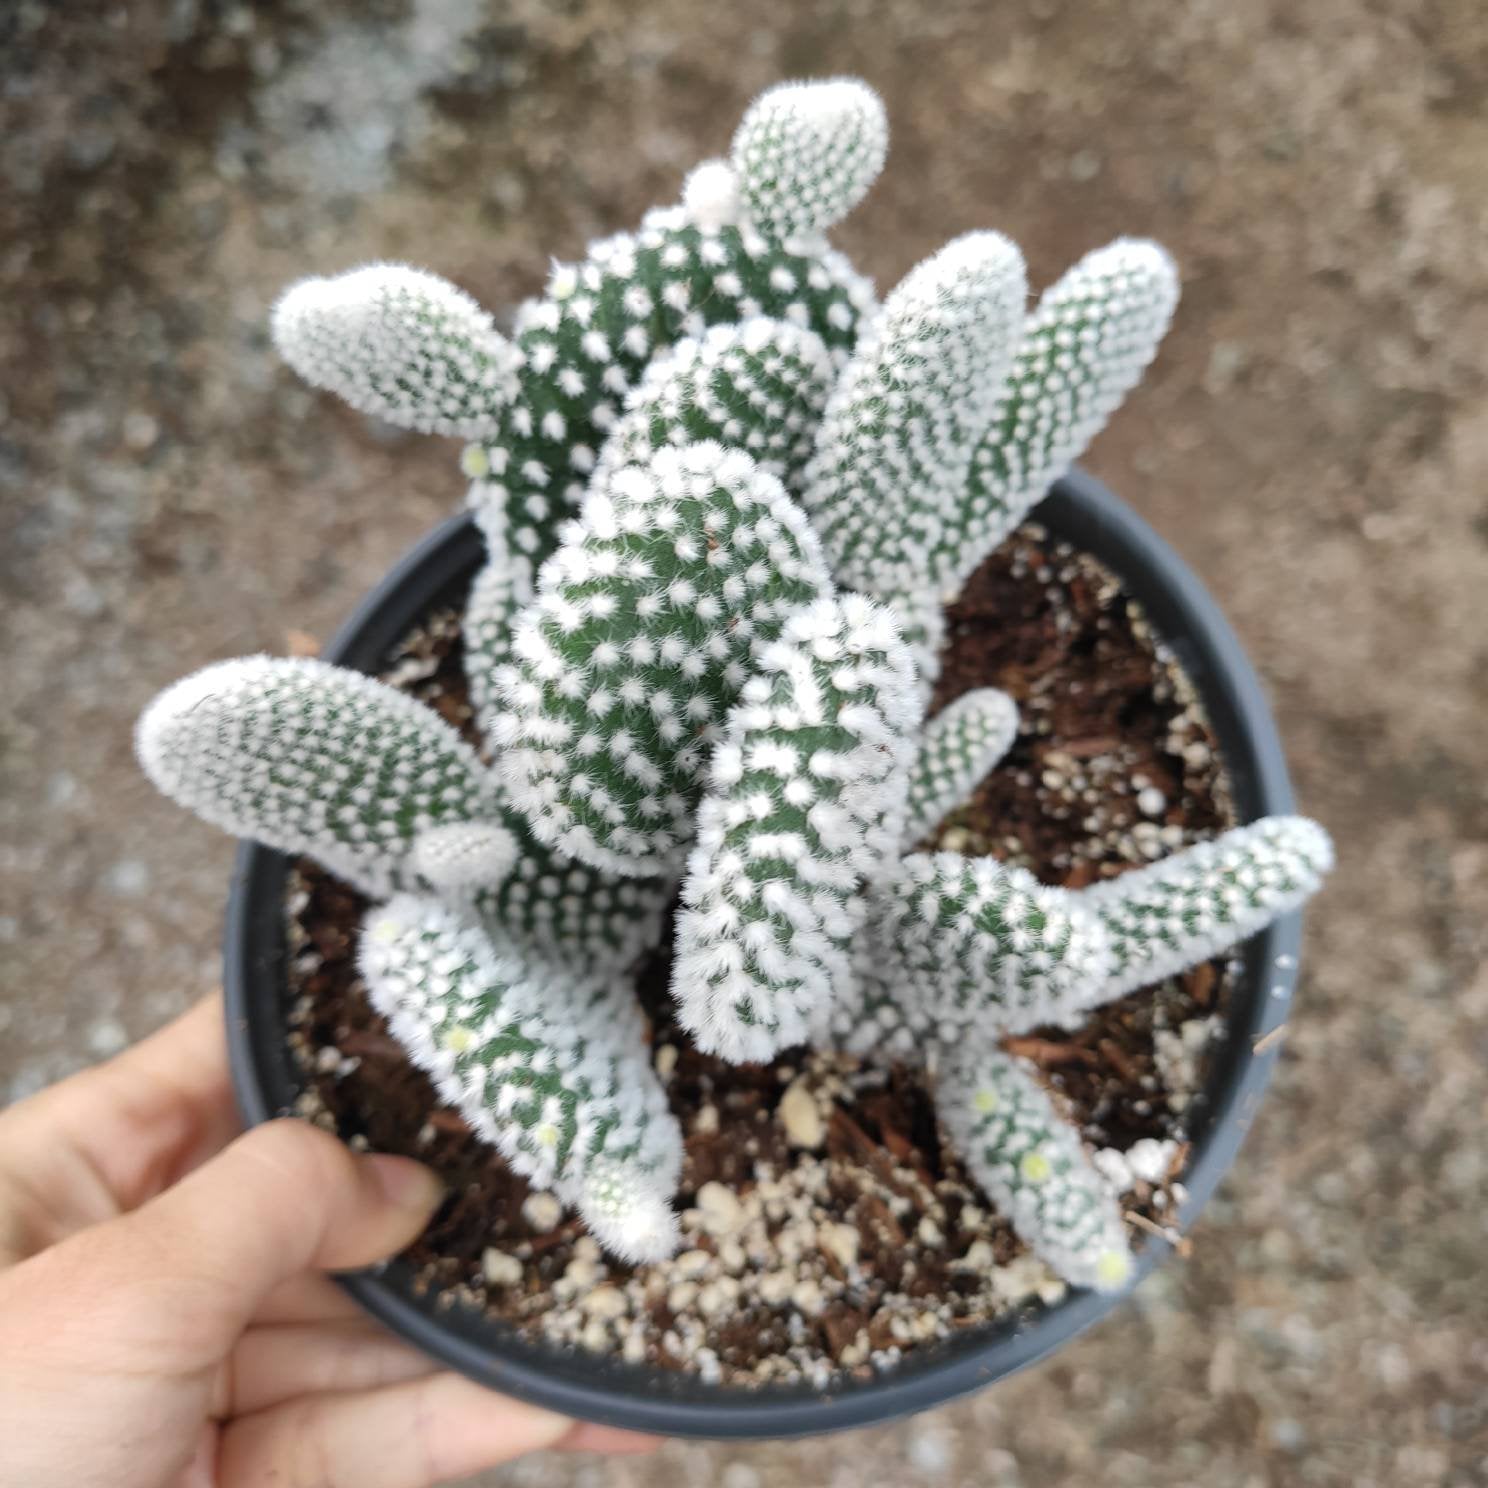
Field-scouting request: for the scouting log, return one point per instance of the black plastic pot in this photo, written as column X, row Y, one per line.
column 1084, row 513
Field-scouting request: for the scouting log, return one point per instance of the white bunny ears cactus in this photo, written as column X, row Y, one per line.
column 1081, row 352
column 1173, row 914
column 640, row 636
column 920, row 388
column 313, row 758
column 401, row 344
column 806, row 154
column 551, row 1067
column 963, row 952
column 1033, row 1165
column 959, row 747
column 806, row 805
column 955, row 414
column 725, row 499
column 972, row 944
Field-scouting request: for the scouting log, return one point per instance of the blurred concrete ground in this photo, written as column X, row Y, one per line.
column 1314, row 439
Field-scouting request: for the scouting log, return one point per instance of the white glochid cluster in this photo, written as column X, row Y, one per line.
column 640, row 637
column 805, row 805
column 461, row 858
column 960, row 746
column 548, row 1064
column 401, row 344
column 806, row 154
column 681, row 685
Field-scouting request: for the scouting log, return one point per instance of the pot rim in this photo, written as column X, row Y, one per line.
column 1080, row 510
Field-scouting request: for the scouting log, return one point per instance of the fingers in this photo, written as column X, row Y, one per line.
column 408, row 1435
column 610, row 1440
column 175, row 1282
column 171, row 1096
column 110, row 1138
column 307, row 1299
column 275, row 1364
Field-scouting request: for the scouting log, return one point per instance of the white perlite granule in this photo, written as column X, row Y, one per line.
column 1179, row 1053
column 1145, row 1161
column 780, row 1246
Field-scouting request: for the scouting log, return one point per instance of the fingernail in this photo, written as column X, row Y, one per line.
column 404, row 1182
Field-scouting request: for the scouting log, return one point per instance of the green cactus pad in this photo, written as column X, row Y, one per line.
column 959, row 944
column 1164, row 918
column 638, row 642
column 895, row 446
column 547, row 1064
column 311, row 758
column 586, row 344
column 401, row 344
column 959, row 748
column 1083, row 349
column 759, row 386
column 1032, row 1164
column 806, row 803
column 806, row 153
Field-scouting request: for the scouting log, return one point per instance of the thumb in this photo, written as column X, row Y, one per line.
column 282, row 1199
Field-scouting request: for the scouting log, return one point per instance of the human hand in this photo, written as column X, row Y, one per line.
column 164, row 1319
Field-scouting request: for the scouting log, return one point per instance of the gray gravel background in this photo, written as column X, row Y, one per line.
column 1314, row 439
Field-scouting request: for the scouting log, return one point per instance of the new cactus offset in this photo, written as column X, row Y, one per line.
column 1176, row 913
column 726, row 499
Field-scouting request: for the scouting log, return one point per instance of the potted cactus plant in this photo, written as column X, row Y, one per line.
column 632, row 879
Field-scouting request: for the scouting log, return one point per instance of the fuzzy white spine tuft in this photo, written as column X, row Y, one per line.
column 626, row 1212
column 462, row 858
column 710, row 196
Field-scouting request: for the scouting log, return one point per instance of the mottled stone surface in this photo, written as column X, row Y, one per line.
column 1314, row 439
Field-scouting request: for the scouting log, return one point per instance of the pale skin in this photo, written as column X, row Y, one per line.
column 165, row 1316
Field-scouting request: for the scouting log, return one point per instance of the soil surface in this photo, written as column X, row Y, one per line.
column 1313, row 437
column 850, row 1235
